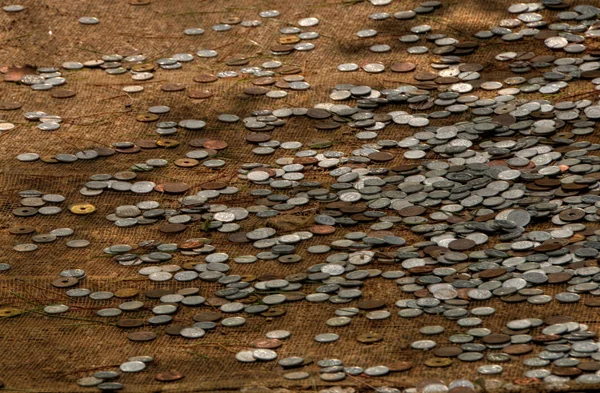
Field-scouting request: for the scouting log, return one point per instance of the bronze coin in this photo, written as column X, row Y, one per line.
column 168, row 143
column 172, row 228
column 566, row 371
column 470, row 67
column 129, row 150
column 294, row 296
column 447, row 352
column 126, row 293
column 147, row 117
column 198, row 142
column 170, row 87
column 571, row 215
column 400, row 366
column 589, row 366
column 370, row 304
column 21, row 230
column 186, row 162
column 142, row 336
column 207, row 316
column 25, row 211
column 65, row 282
column 174, row 330
column 169, row 376
column 238, row 237
column 214, row 185
column 369, row 338
column 62, row 93
column 411, row 211
column 255, row 91
column 157, row 293
column 199, row 94
column 231, row 20
column 268, row 343
column 282, row 48
column 425, row 76
column 104, row 151
column 10, row 105
column 263, row 81
column 492, row 273
column 49, row 159
column 322, row 229
column 258, row 137
column 215, row 144
column 288, row 40
column 403, row 67
column 496, row 338
column 555, row 319
column 327, row 125
column 318, row 113
column 380, row 156
column 146, row 143
column 130, row 323
column 592, row 302
column 205, row 78
column 175, row 188
column 517, row 349
column 139, row 2
column 461, row 244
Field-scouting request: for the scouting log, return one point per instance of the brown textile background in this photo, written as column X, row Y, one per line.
column 48, row 354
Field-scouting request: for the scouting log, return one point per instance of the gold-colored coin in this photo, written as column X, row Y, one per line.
column 126, row 293
column 289, row 39
column 147, row 117
column 7, row 312
column 438, row 362
column 82, row 208
column 168, row 143
column 49, row 159
column 146, row 67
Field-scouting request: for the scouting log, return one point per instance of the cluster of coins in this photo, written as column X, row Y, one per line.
column 483, row 165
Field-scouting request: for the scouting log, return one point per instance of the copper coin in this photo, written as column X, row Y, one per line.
column 215, row 144
column 147, row 117
column 255, row 91
column 237, row 61
column 130, row 323
column 205, row 78
column 207, row 316
column 65, row 282
column 175, row 188
column 146, row 143
column 496, row 338
column 214, row 185
column 258, row 137
column 62, row 93
column 411, row 211
column 517, row 349
column 403, row 67
column 129, row 150
column 157, row 293
column 592, row 302
column 554, row 319
column 170, row 87
column 492, row 273
column 461, row 244
column 141, row 336
column 322, row 229
column 282, row 48
column 139, row 2
column 169, row 376
column 589, row 366
column 199, row 94
column 10, row 105
column 370, row 304
column 566, row 371
column 380, row 156
column 425, row 76
column 21, row 230
column 104, row 151
column 263, row 81
column 186, row 162
column 198, row 142
column 268, row 343
column 172, row 228
column 571, row 215
column 328, row 125
column 174, row 330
